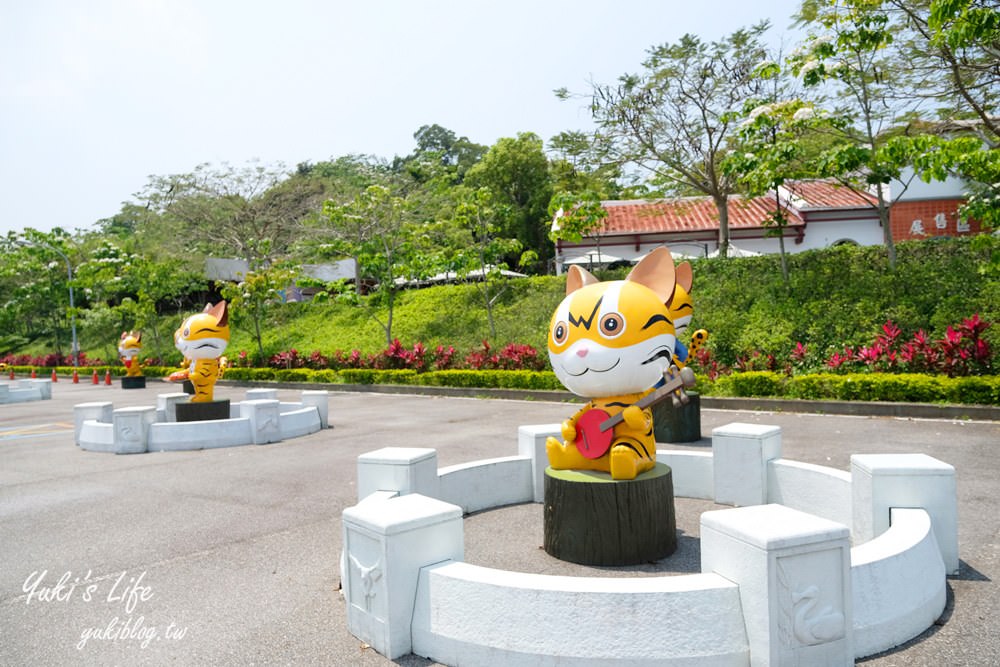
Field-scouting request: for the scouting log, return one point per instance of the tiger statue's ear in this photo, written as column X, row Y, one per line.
column 124, row 334
column 656, row 271
column 138, row 336
column 219, row 312
column 577, row 278
column 685, row 278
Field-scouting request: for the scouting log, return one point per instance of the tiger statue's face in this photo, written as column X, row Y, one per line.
column 205, row 335
column 612, row 338
column 130, row 344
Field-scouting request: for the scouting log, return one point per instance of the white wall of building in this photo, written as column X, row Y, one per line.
column 950, row 188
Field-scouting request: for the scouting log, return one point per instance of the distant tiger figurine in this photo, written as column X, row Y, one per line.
column 129, row 347
column 202, row 339
column 681, row 309
column 612, row 342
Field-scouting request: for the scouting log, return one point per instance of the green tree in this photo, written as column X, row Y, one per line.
column 252, row 212
column 440, row 146
column 37, row 292
column 861, row 48
column 481, row 257
column 576, row 215
column 674, row 121
column 516, row 172
column 778, row 140
column 376, row 231
column 951, row 49
column 252, row 301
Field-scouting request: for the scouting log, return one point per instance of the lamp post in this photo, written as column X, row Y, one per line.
column 72, row 307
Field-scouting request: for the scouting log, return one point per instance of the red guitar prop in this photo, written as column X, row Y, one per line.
column 595, row 427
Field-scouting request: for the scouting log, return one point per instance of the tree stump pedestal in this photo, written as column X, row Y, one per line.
column 680, row 424
column 591, row 519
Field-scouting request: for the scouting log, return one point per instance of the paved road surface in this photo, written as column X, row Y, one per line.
column 229, row 556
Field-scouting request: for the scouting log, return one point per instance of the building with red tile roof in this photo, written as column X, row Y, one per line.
column 819, row 214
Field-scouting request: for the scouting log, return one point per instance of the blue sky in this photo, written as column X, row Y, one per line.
column 97, row 96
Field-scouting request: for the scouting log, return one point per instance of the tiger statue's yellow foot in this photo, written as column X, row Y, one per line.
column 627, row 464
column 565, row 456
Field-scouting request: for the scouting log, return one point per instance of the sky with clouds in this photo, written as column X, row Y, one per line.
column 97, row 96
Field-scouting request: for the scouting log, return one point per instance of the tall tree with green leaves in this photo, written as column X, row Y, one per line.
column 251, row 301
column 482, row 257
column 252, row 212
column 674, row 120
column 375, row 229
column 778, row 141
column 863, row 49
column 35, row 286
column 952, row 48
column 516, row 171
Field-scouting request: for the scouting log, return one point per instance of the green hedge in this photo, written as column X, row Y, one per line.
column 903, row 387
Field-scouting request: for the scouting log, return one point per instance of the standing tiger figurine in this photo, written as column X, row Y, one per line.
column 612, row 342
column 203, row 338
column 129, row 347
column 681, row 309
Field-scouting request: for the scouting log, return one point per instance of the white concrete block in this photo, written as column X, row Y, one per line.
column 262, row 393
column 131, row 428
column 167, row 404
column 487, row 483
column 44, row 387
column 531, row 443
column 265, row 419
column 881, row 482
column 402, row 469
column 898, row 582
column 793, row 570
column 321, row 399
column 386, row 543
column 741, row 453
column 100, row 411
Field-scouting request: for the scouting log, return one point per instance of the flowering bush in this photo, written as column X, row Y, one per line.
column 48, row 360
column 962, row 351
column 512, row 357
column 417, row 358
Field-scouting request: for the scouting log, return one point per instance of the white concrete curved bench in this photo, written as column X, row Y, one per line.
column 891, row 588
column 24, row 391
column 899, row 584
column 257, row 420
column 466, row 614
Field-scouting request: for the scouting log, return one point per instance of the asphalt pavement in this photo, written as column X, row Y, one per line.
column 230, row 556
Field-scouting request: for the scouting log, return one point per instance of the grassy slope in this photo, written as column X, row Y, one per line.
column 835, row 297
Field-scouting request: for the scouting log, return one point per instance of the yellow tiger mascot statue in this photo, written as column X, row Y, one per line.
column 129, row 347
column 202, row 339
column 612, row 342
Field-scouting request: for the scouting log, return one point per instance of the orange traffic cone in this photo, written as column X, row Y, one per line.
column 107, row 378
column 33, row 374
column 55, row 378
column 76, row 377
column 94, row 379
column 12, row 374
